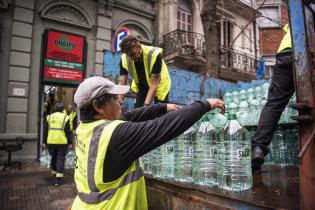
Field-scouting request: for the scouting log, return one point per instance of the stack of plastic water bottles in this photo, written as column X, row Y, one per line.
column 284, row 148
column 215, row 151
column 247, row 105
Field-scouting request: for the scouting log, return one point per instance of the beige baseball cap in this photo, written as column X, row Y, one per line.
column 94, row 87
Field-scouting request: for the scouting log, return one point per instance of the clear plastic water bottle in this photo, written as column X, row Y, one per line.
column 255, row 111
column 167, row 167
column 157, row 162
column 284, row 116
column 146, row 163
column 243, row 115
column 232, row 108
column 291, row 136
column 217, row 119
column 281, row 147
column 184, row 155
column 70, row 158
column 262, row 103
column 291, row 111
column 227, row 97
column 260, row 107
column 269, row 159
column 204, row 158
column 250, row 94
column 45, row 158
column 265, row 90
column 258, row 92
column 242, row 95
column 234, row 168
column 235, row 97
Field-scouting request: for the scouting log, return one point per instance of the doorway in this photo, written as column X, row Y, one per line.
column 50, row 95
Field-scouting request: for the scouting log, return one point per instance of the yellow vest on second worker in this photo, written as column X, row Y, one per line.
column 149, row 57
column 127, row 192
column 56, row 125
column 286, row 40
column 71, row 117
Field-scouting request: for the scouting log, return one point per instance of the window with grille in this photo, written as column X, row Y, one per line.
column 247, row 39
column 225, row 31
column 184, row 20
column 270, row 17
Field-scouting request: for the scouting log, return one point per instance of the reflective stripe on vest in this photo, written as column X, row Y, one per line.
column 150, row 58
column 95, row 196
column 129, row 63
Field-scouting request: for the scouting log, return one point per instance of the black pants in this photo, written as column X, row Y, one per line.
column 280, row 92
column 58, row 155
column 140, row 99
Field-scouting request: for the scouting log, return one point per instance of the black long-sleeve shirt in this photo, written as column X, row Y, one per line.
column 145, row 131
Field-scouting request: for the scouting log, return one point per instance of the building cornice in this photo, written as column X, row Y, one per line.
column 67, row 12
column 134, row 9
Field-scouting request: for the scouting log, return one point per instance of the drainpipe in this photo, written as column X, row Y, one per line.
column 255, row 42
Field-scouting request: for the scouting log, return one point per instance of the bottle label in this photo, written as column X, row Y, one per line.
column 212, row 152
column 190, row 151
column 169, row 148
column 282, row 146
column 242, row 153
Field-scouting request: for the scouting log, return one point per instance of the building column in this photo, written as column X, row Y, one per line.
column 197, row 23
column 103, row 35
column 19, row 69
column 172, row 14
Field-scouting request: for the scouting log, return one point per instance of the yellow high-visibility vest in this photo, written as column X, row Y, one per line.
column 126, row 192
column 71, row 117
column 149, row 57
column 56, row 125
column 286, row 40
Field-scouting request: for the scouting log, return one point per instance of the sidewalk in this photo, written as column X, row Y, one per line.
column 31, row 188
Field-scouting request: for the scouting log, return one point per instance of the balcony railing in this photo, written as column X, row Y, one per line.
column 184, row 43
column 237, row 61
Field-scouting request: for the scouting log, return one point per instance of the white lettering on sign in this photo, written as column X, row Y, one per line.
column 120, row 37
column 19, row 91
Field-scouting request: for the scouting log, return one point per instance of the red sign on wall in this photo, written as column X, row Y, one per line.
column 64, row 57
column 65, row 47
column 63, row 74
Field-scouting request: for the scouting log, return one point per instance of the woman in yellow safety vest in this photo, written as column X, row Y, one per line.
column 108, row 174
column 57, row 137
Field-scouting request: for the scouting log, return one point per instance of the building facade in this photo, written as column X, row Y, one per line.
column 274, row 17
column 181, row 34
column 22, row 25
